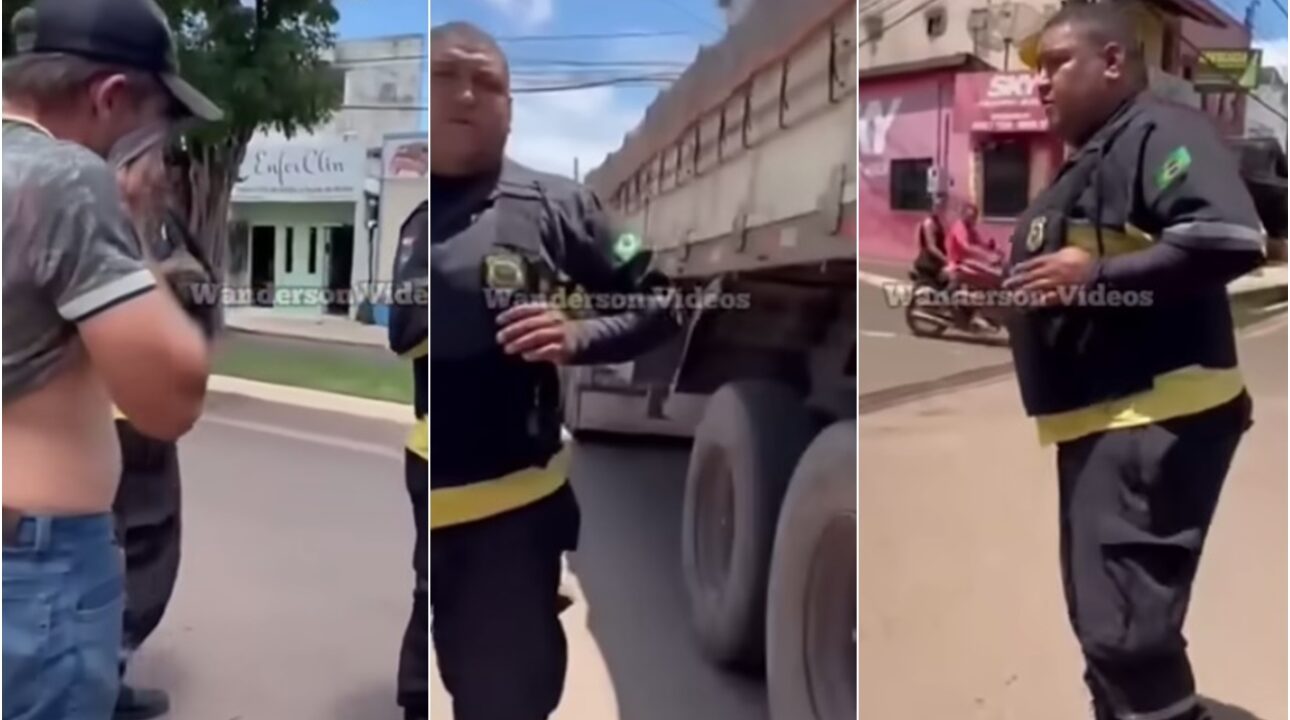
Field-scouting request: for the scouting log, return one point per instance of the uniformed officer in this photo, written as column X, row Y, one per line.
column 1130, row 363
column 502, row 513
column 408, row 337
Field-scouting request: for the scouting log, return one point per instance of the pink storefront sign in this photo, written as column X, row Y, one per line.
column 998, row 103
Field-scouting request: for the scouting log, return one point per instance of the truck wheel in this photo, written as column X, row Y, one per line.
column 811, row 602
column 744, row 452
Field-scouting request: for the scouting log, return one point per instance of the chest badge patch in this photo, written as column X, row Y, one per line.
column 1035, row 237
column 503, row 272
column 626, row 247
column 1174, row 167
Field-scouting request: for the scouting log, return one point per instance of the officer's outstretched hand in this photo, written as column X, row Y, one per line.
column 1046, row 275
column 536, row 331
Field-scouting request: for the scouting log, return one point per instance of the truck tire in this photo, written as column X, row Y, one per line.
column 744, row 452
column 811, row 602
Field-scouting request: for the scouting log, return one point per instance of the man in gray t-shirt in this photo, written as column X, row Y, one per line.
column 86, row 326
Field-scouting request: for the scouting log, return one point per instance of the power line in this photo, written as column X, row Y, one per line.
column 874, row 7
column 1281, row 6
column 590, row 36
column 634, row 80
column 896, row 22
column 532, row 62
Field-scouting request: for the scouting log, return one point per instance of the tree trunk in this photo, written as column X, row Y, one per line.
column 211, row 173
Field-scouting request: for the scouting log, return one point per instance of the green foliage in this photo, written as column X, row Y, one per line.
column 263, row 65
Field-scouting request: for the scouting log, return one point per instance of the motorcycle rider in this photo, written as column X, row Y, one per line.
column 929, row 266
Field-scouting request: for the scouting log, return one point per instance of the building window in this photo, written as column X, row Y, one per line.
column 936, row 22
column 909, row 184
column 313, row 250
column 1005, row 179
column 291, row 247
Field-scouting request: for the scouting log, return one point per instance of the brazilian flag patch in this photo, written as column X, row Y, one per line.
column 626, row 247
column 1174, row 167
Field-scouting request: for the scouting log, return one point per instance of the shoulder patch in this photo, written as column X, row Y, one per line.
column 626, row 247
column 1174, row 167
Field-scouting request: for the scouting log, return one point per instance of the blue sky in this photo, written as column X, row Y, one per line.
column 1269, row 27
column 550, row 129
column 375, row 18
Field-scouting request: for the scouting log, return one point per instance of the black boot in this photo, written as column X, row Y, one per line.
column 139, row 704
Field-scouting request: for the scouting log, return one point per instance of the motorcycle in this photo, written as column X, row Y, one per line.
column 932, row 311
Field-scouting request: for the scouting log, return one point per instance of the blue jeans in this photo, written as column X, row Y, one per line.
column 64, row 592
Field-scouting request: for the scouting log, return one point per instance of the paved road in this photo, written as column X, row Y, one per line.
column 631, row 654
column 961, row 613
column 891, row 357
column 296, row 579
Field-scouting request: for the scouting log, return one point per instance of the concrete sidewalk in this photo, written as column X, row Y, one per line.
column 961, row 612
column 322, row 328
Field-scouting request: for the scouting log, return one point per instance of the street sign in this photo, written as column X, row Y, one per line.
column 998, row 102
column 1221, row 69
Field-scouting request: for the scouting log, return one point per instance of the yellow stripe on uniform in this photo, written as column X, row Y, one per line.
column 1176, row 394
column 420, row 350
column 419, row 439
column 457, row 505
column 1115, row 242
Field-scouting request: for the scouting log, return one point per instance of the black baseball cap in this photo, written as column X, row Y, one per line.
column 130, row 33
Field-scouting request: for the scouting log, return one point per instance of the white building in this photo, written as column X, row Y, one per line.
column 1261, row 121
column 307, row 213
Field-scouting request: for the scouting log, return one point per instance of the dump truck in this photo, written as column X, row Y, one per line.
column 740, row 180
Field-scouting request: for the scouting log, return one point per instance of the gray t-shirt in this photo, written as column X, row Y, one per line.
column 70, row 252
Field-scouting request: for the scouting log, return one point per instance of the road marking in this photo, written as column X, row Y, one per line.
column 878, row 333
column 879, row 281
column 1266, row 328
column 383, row 451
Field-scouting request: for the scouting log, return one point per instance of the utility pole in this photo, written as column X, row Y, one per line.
column 576, row 176
column 1249, row 14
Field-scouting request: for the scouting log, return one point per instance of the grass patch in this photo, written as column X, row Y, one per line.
column 360, row 372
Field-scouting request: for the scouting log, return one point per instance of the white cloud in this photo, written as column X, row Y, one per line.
column 526, row 13
column 549, row 130
column 1274, row 53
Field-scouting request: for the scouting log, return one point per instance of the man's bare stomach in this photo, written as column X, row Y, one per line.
column 61, row 452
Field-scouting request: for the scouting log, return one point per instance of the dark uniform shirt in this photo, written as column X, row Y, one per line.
column 1157, row 198
column 408, row 331
column 507, row 235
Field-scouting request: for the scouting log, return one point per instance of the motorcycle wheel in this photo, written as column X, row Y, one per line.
column 921, row 326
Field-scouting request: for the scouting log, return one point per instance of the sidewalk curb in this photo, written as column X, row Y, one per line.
column 311, row 399
column 872, row 402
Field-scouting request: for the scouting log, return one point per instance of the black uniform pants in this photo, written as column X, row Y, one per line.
column 147, row 513
column 494, row 592
column 414, row 657
column 1136, row 505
